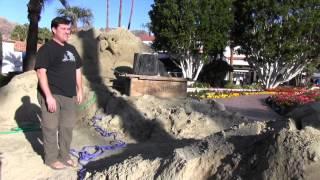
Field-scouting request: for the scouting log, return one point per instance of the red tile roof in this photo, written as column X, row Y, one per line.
column 146, row 37
column 21, row 46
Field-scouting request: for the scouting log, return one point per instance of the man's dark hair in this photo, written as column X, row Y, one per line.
column 59, row 20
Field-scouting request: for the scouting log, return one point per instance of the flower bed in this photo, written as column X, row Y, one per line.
column 288, row 89
column 287, row 99
column 225, row 94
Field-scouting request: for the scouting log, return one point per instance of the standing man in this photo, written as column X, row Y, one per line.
column 60, row 88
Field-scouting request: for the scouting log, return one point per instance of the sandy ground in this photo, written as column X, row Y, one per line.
column 166, row 138
column 22, row 155
column 181, row 119
column 194, row 140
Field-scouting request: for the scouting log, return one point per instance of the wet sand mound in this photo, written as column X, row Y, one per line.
column 273, row 150
column 138, row 119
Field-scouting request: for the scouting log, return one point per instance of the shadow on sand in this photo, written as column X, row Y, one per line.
column 113, row 105
column 27, row 117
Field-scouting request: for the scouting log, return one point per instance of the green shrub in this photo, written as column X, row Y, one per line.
column 230, row 85
column 4, row 80
column 252, row 86
column 196, row 94
column 201, row 85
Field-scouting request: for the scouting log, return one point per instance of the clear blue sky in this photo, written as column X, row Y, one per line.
column 16, row 11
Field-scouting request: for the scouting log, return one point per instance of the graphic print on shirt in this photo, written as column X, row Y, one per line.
column 68, row 56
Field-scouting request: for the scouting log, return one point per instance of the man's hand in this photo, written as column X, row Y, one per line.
column 79, row 97
column 79, row 86
column 51, row 104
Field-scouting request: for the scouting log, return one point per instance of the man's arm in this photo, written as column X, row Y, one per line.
column 43, row 81
column 79, row 86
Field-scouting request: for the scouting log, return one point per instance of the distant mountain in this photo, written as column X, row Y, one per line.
column 6, row 27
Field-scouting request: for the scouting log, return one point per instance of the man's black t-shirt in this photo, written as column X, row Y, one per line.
column 61, row 63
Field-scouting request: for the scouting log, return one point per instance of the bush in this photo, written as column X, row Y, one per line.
column 197, row 94
column 252, row 86
column 214, row 73
column 4, row 80
column 201, row 85
column 230, row 85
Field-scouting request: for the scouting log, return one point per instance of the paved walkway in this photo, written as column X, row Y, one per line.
column 252, row 106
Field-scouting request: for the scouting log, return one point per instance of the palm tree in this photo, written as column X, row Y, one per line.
column 120, row 14
column 0, row 55
column 131, row 12
column 76, row 14
column 34, row 11
column 107, row 15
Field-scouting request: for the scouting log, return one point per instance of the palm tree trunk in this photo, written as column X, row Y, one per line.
column 34, row 10
column 74, row 28
column 107, row 27
column 131, row 12
column 1, row 53
column 120, row 14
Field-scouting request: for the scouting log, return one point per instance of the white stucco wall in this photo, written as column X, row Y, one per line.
column 12, row 60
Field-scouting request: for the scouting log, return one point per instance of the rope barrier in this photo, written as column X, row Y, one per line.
column 88, row 153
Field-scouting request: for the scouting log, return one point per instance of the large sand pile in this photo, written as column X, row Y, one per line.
column 167, row 138
column 147, row 118
column 259, row 150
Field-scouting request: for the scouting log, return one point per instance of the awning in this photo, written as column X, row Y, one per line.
column 316, row 75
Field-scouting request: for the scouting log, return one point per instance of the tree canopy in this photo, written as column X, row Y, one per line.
column 191, row 31
column 20, row 32
column 77, row 14
column 279, row 38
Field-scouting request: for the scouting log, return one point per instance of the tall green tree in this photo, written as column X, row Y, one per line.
column 44, row 35
column 34, row 14
column 279, row 38
column 76, row 14
column 313, row 67
column 191, row 31
column 19, row 32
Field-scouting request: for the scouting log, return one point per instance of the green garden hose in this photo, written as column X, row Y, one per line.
column 26, row 128
column 36, row 127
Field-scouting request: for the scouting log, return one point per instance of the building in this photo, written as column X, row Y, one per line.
column 12, row 57
column 242, row 72
column 13, row 53
column 146, row 38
